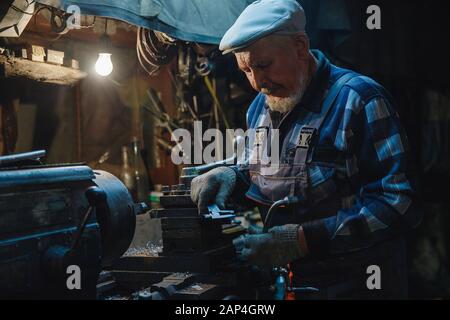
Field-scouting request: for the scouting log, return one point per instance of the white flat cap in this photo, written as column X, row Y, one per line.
column 261, row 18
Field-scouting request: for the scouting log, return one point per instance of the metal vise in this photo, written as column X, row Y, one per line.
column 184, row 230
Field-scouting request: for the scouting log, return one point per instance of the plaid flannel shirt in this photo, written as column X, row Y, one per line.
column 363, row 137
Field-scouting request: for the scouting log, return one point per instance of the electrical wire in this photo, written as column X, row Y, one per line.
column 153, row 49
column 289, row 200
column 62, row 15
column 148, row 66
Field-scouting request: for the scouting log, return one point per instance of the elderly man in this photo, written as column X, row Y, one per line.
column 343, row 163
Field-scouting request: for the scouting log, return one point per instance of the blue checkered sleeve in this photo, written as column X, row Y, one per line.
column 378, row 167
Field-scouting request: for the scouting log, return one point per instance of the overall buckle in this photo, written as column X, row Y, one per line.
column 306, row 137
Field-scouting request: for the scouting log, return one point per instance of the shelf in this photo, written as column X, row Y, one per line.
column 11, row 67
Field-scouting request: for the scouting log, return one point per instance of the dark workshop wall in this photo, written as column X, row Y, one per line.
column 409, row 56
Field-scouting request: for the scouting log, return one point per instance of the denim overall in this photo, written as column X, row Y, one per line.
column 342, row 276
column 295, row 175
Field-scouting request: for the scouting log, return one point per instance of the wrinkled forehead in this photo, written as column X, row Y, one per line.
column 261, row 50
column 249, row 58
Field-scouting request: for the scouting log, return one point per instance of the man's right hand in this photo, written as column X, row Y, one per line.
column 214, row 186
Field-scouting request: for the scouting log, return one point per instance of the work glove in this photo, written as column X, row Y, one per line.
column 213, row 187
column 277, row 247
column 254, row 229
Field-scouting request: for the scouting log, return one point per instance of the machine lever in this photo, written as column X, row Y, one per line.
column 94, row 196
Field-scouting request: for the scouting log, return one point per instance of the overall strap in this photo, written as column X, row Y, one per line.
column 257, row 143
column 303, row 134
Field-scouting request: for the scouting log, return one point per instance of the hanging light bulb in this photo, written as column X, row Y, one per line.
column 104, row 65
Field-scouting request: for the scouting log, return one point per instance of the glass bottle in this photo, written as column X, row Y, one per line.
column 126, row 174
column 139, row 173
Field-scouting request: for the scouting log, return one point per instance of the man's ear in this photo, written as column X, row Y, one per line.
column 301, row 43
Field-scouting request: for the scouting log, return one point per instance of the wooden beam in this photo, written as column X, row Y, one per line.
column 39, row 71
column 39, row 29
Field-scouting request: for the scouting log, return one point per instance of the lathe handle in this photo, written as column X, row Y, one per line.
column 94, row 195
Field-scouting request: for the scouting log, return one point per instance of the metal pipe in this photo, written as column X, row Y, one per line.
column 33, row 155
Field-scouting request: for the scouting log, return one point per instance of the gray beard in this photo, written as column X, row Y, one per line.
column 284, row 105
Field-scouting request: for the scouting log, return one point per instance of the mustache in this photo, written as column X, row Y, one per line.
column 268, row 89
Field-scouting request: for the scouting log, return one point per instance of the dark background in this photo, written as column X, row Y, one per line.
column 410, row 57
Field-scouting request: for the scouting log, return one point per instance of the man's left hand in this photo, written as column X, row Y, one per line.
column 278, row 247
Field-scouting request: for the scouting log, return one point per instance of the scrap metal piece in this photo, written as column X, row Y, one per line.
column 216, row 213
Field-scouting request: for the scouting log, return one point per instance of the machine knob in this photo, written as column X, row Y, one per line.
column 95, row 195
